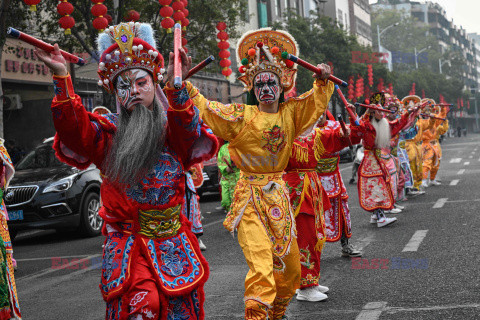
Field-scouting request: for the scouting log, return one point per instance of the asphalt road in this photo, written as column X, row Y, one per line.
column 437, row 279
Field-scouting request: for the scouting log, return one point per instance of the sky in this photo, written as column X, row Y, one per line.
column 463, row 12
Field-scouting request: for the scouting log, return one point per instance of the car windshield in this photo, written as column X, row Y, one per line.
column 42, row 157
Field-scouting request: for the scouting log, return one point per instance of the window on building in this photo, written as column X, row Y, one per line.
column 262, row 14
column 287, row 5
column 278, row 8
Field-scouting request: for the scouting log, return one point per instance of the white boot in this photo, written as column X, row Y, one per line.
column 384, row 221
column 373, row 218
column 311, row 294
column 322, row 289
column 425, row 183
column 435, row 182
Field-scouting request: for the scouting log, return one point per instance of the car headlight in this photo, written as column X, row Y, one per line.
column 60, row 185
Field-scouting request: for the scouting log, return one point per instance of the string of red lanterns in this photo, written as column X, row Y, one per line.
column 99, row 10
column 65, row 9
column 132, row 15
column 166, row 12
column 224, row 53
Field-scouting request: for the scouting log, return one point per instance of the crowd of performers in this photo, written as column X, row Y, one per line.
column 281, row 183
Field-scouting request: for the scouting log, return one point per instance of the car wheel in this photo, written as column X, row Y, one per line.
column 90, row 221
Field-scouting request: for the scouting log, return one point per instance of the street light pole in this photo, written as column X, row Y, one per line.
column 417, row 54
column 380, row 33
column 440, row 64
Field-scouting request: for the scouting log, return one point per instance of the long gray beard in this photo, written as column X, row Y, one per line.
column 137, row 144
column 382, row 137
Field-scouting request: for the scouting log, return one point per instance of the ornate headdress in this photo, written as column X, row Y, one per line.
column 382, row 98
column 261, row 51
column 412, row 98
column 128, row 46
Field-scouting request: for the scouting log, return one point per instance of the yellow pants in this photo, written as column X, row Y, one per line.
column 415, row 156
column 267, row 292
column 431, row 160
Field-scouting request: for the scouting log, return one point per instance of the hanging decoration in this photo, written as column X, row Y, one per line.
column 412, row 91
column 99, row 10
column 380, row 85
column 468, row 104
column 390, row 89
column 132, row 15
column 370, row 75
column 351, row 90
column 423, row 94
column 178, row 14
column 185, row 22
column 65, row 9
column 359, row 87
column 166, row 12
column 32, row 4
column 224, row 53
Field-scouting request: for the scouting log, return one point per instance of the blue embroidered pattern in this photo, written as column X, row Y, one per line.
column 173, row 258
column 158, row 186
column 112, row 248
column 111, row 117
column 179, row 309
column 58, row 90
column 113, row 309
column 190, row 255
column 181, row 96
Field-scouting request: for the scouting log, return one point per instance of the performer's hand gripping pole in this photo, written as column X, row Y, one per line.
column 373, row 107
column 345, row 132
column 311, row 67
column 177, row 62
column 350, row 112
column 199, row 66
column 14, row 33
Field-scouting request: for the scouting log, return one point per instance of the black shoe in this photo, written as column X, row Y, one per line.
column 352, row 181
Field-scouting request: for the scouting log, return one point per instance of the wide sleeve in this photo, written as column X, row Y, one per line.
column 187, row 135
column 443, row 128
column 308, row 107
column 330, row 140
column 225, row 120
column 81, row 138
column 398, row 125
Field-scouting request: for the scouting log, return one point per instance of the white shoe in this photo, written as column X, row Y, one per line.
column 311, row 294
column 435, row 183
column 202, row 246
column 322, row 289
column 373, row 218
column 399, row 206
column 385, row 221
column 425, row 183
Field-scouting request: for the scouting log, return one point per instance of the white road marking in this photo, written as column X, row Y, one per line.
column 50, row 258
column 456, row 160
column 372, row 310
column 461, row 171
column 62, row 267
column 392, row 310
column 454, row 182
column 470, row 157
column 362, row 243
column 415, row 241
column 440, row 202
column 466, row 163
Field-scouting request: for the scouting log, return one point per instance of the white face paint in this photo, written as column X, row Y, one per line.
column 267, row 87
column 135, row 86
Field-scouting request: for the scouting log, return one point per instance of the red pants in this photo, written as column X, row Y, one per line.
column 309, row 257
column 144, row 301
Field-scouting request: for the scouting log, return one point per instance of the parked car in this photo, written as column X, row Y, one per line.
column 48, row 194
column 211, row 177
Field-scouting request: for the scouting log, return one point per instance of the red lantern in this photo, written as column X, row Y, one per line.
column 227, row 72
column 224, row 54
column 98, row 10
column 67, row 22
column 177, row 5
column 423, row 94
column 221, row 26
column 132, row 15
column 390, row 89
column 168, row 24
column 380, row 86
column 178, row 16
column 109, row 18
column 223, row 45
column 65, row 8
column 166, row 11
column 164, row 2
column 222, row 35
column 32, row 4
column 225, row 63
column 185, row 3
column 351, row 91
column 100, row 23
column 185, row 23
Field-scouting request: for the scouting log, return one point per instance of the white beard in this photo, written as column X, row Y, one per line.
column 382, row 128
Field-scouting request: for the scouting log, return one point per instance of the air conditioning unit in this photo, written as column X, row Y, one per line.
column 12, row 102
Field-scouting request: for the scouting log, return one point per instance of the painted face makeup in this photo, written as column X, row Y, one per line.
column 135, row 86
column 267, row 87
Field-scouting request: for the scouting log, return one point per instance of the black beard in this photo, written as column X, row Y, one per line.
column 137, row 144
